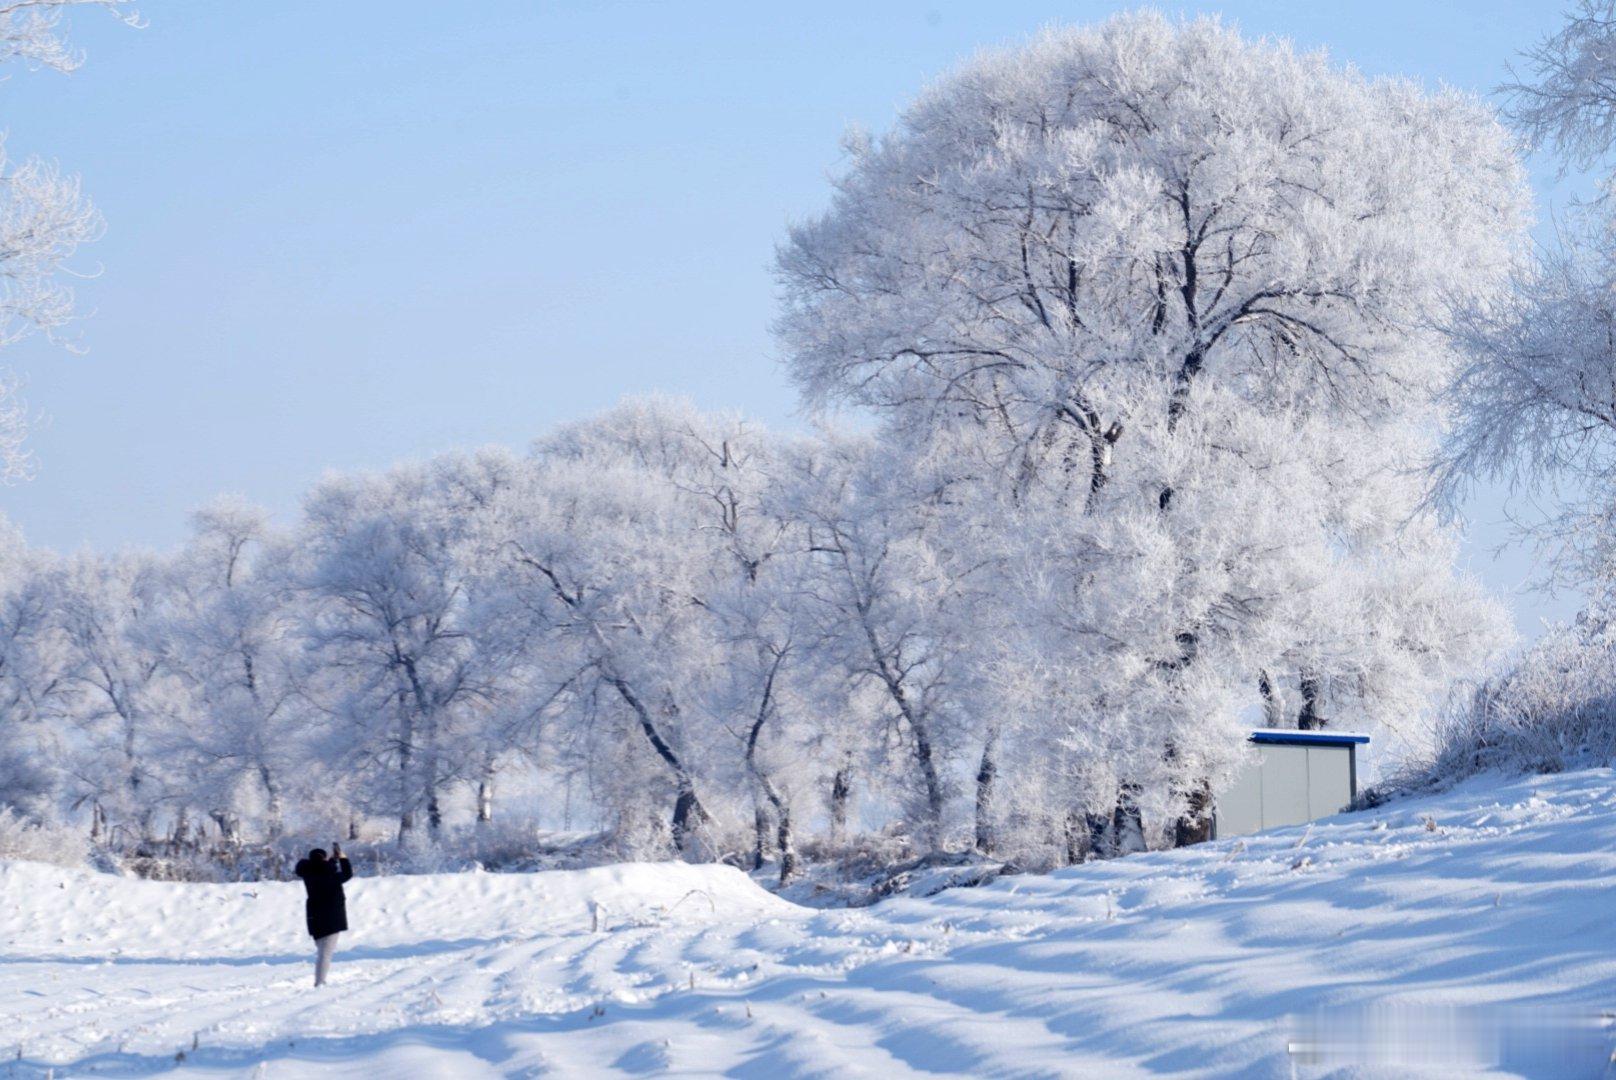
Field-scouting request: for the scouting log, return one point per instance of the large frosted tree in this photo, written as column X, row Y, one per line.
column 1179, row 294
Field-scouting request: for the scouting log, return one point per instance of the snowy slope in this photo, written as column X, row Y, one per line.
column 1477, row 923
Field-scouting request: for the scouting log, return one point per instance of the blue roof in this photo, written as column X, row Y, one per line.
column 1293, row 737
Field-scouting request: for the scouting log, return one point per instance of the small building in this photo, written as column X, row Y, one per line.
column 1296, row 776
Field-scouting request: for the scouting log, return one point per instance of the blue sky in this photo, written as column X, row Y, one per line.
column 341, row 235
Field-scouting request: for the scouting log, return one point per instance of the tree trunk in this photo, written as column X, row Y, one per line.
column 229, row 825
column 1097, row 826
column 1075, row 838
column 429, row 775
column 688, row 813
column 131, row 763
column 987, row 774
column 1273, row 710
column 1127, row 827
column 760, row 816
column 1194, row 826
column 427, row 708
column 1100, row 445
column 782, row 809
column 406, row 782
column 786, row 842
column 760, row 830
column 434, row 810
column 272, row 795
column 918, row 724
column 134, row 775
column 841, row 793
column 485, row 799
column 689, row 817
column 1085, row 836
column 1311, row 717
column 924, row 757
column 182, row 827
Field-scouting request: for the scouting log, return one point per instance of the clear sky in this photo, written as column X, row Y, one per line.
column 345, row 234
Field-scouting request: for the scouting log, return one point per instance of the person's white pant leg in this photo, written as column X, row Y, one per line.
column 323, row 948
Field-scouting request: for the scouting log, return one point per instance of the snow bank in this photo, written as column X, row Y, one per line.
column 60, row 912
column 1476, row 927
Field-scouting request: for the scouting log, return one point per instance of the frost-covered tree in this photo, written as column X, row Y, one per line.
column 395, row 621
column 1534, row 401
column 121, row 698
column 44, row 216
column 228, row 630
column 1565, row 98
column 1154, row 323
column 34, row 32
column 33, row 666
column 1536, row 398
column 766, row 694
column 889, row 610
column 1063, row 242
column 1177, row 295
column 1535, row 408
column 608, row 552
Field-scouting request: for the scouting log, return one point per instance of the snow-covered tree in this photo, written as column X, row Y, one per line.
column 1534, row 401
column 33, row 666
column 387, row 566
column 121, row 697
column 1155, row 324
column 1063, row 242
column 1565, row 99
column 228, row 630
column 44, row 216
column 1178, row 295
column 758, row 557
column 34, row 32
column 1535, row 409
column 888, row 608
column 609, row 557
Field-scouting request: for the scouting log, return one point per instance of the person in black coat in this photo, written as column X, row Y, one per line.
column 326, row 908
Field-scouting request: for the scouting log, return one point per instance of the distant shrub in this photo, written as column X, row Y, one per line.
column 33, row 841
column 1554, row 709
column 514, row 844
column 510, row 846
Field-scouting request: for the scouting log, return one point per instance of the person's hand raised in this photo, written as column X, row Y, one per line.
column 336, row 850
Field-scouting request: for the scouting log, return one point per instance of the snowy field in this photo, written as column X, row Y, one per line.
column 1480, row 925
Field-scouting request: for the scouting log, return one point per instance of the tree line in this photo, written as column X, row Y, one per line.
column 1130, row 350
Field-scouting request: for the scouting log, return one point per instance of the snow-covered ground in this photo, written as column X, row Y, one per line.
column 1477, row 928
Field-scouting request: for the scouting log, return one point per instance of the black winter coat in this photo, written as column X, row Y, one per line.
column 326, row 907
